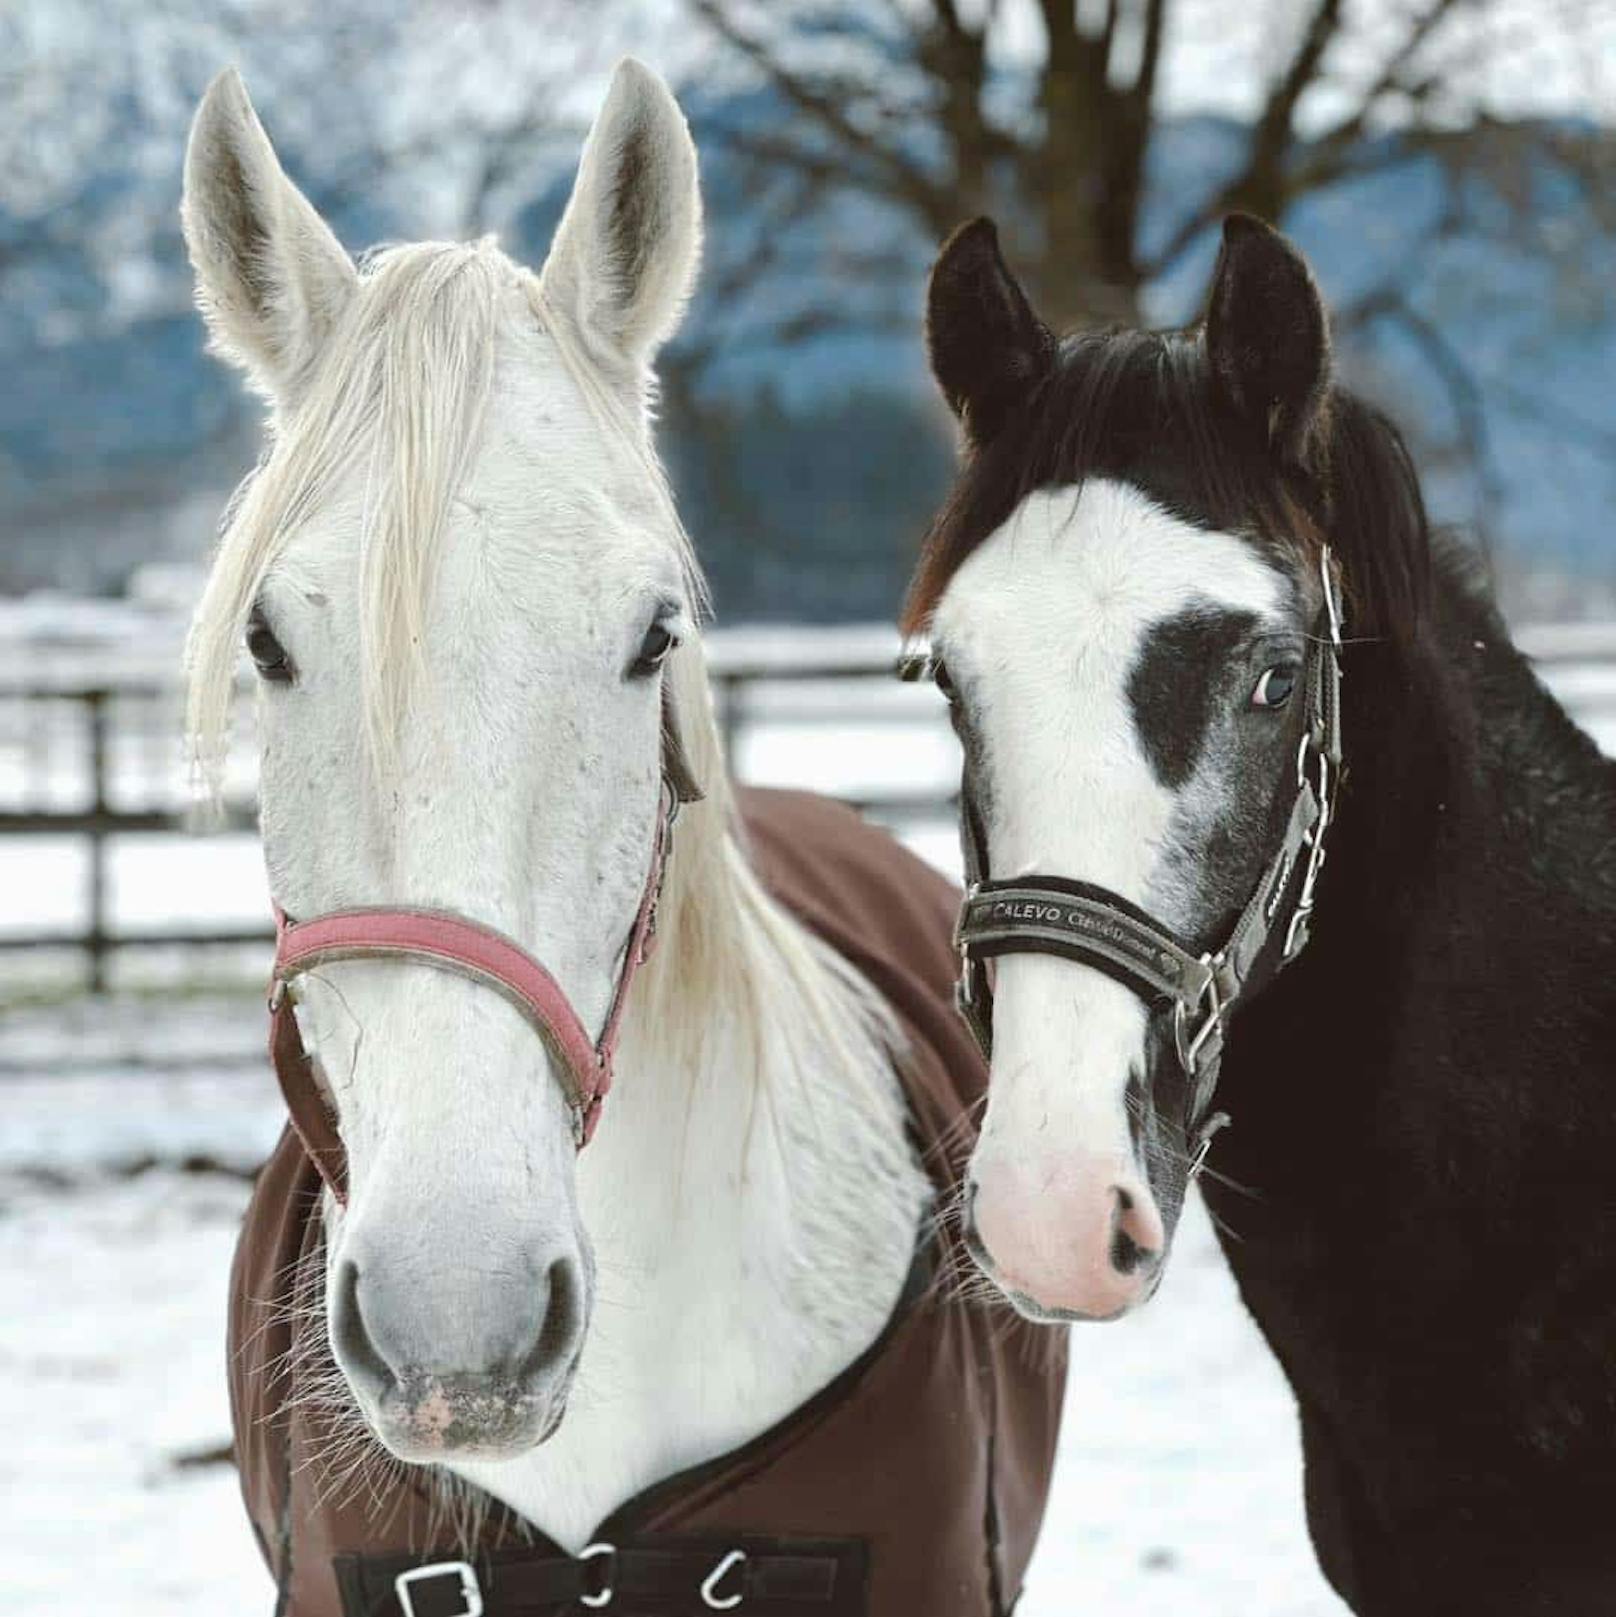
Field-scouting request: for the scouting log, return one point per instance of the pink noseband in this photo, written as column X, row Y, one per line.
column 453, row 943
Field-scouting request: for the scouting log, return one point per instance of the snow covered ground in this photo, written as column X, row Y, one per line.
column 127, row 1129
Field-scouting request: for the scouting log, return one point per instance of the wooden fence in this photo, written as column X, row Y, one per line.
column 1581, row 660
column 99, row 722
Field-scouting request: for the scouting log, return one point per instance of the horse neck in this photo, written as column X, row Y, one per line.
column 1468, row 902
column 1415, row 1179
column 752, row 1167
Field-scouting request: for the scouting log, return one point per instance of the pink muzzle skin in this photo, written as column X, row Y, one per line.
column 453, row 943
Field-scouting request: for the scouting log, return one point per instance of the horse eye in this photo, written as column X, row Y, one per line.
column 659, row 641
column 268, row 654
column 1274, row 686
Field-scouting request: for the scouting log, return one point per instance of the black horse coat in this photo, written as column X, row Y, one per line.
column 1418, row 1197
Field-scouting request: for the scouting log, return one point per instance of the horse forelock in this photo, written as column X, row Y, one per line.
column 402, row 393
column 1138, row 407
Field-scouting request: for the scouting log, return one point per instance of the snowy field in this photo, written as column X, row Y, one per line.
column 128, row 1129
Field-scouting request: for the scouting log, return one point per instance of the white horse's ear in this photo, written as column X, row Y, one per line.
column 625, row 254
column 271, row 278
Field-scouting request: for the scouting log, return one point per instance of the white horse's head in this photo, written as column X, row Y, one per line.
column 462, row 582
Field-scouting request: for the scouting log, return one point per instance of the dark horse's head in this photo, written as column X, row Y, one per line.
column 1120, row 595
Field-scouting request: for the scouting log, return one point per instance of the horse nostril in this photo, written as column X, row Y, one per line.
column 348, row 1332
column 1127, row 1256
column 561, row 1324
column 1135, row 1247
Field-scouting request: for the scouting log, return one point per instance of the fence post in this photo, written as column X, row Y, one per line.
column 729, row 716
column 98, row 938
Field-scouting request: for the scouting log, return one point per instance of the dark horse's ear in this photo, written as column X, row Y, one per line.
column 987, row 347
column 1268, row 338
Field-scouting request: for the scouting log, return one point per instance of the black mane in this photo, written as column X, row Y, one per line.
column 1140, row 407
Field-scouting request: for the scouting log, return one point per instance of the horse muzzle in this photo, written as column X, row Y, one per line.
column 1085, row 1242
column 494, row 1381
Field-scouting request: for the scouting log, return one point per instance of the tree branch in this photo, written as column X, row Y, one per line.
column 1392, row 76
column 900, row 177
column 1274, row 127
column 1264, row 167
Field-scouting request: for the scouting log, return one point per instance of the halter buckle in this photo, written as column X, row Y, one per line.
column 962, row 984
column 471, row 1593
column 1190, row 1046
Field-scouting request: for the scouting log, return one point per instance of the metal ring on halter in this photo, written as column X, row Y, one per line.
column 709, row 1595
column 1332, row 607
column 1179, row 1040
column 1188, row 1053
column 1198, row 1161
column 590, row 1553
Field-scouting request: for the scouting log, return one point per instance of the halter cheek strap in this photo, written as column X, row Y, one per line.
column 1055, row 915
column 466, row 948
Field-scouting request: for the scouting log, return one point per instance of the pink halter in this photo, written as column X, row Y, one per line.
column 456, row 944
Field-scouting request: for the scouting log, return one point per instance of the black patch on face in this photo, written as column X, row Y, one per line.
column 1174, row 685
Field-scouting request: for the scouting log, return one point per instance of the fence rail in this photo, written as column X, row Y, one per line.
column 60, row 738
column 40, row 721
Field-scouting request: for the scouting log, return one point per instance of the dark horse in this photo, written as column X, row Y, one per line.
column 1129, row 598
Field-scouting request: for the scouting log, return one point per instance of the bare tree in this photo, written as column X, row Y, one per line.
column 920, row 118
column 438, row 118
column 914, row 104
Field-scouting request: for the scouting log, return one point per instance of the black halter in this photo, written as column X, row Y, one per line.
column 1054, row 915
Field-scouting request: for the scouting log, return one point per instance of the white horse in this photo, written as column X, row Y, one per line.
column 464, row 586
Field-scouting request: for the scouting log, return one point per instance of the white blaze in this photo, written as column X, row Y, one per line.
column 1041, row 628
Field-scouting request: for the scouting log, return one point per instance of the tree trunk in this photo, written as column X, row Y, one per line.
column 1080, row 273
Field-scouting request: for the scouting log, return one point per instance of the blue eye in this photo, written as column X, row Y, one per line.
column 1274, row 686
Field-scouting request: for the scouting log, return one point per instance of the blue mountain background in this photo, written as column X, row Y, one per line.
column 807, row 459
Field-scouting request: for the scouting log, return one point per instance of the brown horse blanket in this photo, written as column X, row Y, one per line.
column 912, row 1486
